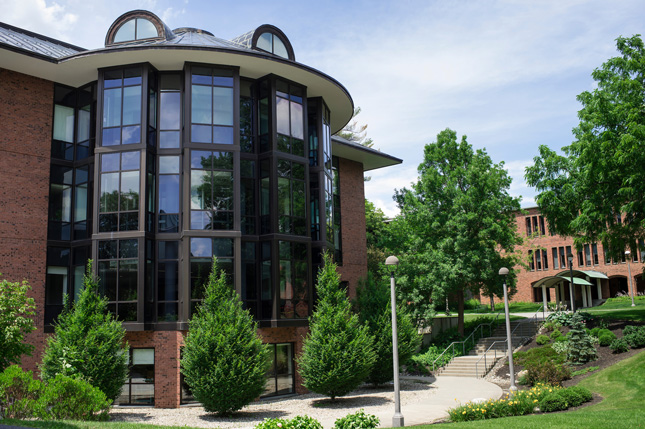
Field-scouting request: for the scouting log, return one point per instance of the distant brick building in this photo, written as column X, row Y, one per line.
column 159, row 151
column 596, row 275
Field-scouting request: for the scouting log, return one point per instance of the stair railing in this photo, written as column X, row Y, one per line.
column 485, row 357
column 470, row 337
column 533, row 320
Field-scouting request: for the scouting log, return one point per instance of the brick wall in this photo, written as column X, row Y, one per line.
column 526, row 278
column 352, row 206
column 26, row 105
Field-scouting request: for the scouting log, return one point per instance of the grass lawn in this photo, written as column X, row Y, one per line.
column 622, row 386
column 513, row 307
column 620, row 308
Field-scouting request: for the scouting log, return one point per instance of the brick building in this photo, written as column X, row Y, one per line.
column 596, row 276
column 157, row 152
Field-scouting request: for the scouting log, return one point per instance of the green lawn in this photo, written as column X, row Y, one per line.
column 513, row 307
column 68, row 424
column 621, row 309
column 622, row 386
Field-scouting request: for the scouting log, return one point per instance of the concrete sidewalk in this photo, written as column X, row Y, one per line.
column 463, row 389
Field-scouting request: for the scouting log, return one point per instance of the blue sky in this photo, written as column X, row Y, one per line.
column 505, row 73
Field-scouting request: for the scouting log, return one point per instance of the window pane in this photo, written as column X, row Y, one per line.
column 168, row 164
column 80, row 206
column 170, row 110
column 282, row 115
column 169, row 194
column 223, row 106
column 109, row 192
column 130, row 160
column 169, row 139
column 63, row 123
column 112, row 107
column 146, row 29
column 125, row 33
column 200, row 189
column 201, row 247
column 200, row 159
column 265, row 42
column 223, row 135
column 284, row 197
column 131, row 135
column 168, row 280
column 129, row 190
column 222, row 190
column 201, row 110
column 128, row 280
column 279, row 48
column 132, row 105
column 297, row 128
column 201, row 133
column 111, row 137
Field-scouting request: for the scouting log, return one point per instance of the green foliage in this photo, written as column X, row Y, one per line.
column 224, row 361
column 560, row 318
column 542, row 340
column 561, row 346
column 553, row 402
column 630, row 329
column 422, row 362
column 581, row 348
column 605, row 337
column 619, row 345
column 298, row 422
column 635, row 336
column 552, row 325
column 374, row 310
column 537, row 355
column 457, row 226
column 377, row 233
column 584, row 371
column 358, row 420
column 338, row 352
column 17, row 311
column 88, row 342
column 581, row 193
column 595, row 331
column 19, row 393
column 67, row 398
column 555, row 335
column 546, row 372
column 584, row 393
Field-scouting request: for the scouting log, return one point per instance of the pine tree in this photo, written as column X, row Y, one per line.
column 374, row 309
column 338, row 352
column 224, row 361
column 88, row 342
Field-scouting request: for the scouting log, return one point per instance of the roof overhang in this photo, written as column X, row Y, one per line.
column 371, row 159
column 551, row 281
column 79, row 69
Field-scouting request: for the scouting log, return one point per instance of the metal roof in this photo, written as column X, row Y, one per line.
column 369, row 157
column 35, row 44
column 550, row 281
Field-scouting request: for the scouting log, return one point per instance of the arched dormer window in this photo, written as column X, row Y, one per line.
column 271, row 39
column 136, row 25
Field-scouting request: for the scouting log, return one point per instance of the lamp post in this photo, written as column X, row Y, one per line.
column 571, row 289
column 397, row 420
column 504, row 272
column 629, row 272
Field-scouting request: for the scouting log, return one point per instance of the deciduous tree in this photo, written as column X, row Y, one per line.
column 457, row 226
column 596, row 191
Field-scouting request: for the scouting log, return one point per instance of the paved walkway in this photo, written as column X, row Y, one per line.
column 451, row 391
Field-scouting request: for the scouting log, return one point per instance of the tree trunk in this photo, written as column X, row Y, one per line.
column 492, row 304
column 460, row 312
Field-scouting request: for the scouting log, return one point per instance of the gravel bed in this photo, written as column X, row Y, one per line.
column 372, row 400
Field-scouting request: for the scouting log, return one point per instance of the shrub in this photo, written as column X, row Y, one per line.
column 584, row 370
column 559, row 317
column 581, row 348
column 537, row 355
column 553, row 402
column 224, row 361
column 374, row 311
column 337, row 353
column 273, row 424
column 572, row 397
column 17, row 313
column 630, row 329
column 619, row 345
column 305, row 422
column 561, row 346
column 542, row 340
column 583, row 392
column 594, row 332
column 422, row 362
column 551, row 325
column 67, row 398
column 555, row 335
column 605, row 337
column 636, row 337
column 18, row 393
column 358, row 420
column 88, row 342
column 546, row 372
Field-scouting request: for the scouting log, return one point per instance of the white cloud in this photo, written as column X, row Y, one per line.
column 53, row 20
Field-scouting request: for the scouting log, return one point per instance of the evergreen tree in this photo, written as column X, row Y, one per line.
column 88, row 342
column 374, row 310
column 338, row 352
column 224, row 361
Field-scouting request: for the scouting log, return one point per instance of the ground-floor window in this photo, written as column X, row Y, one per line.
column 139, row 389
column 280, row 378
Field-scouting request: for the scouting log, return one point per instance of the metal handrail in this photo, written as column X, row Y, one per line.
column 463, row 342
column 484, row 357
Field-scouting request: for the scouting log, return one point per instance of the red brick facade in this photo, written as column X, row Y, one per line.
column 354, row 241
column 540, row 239
column 25, row 147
